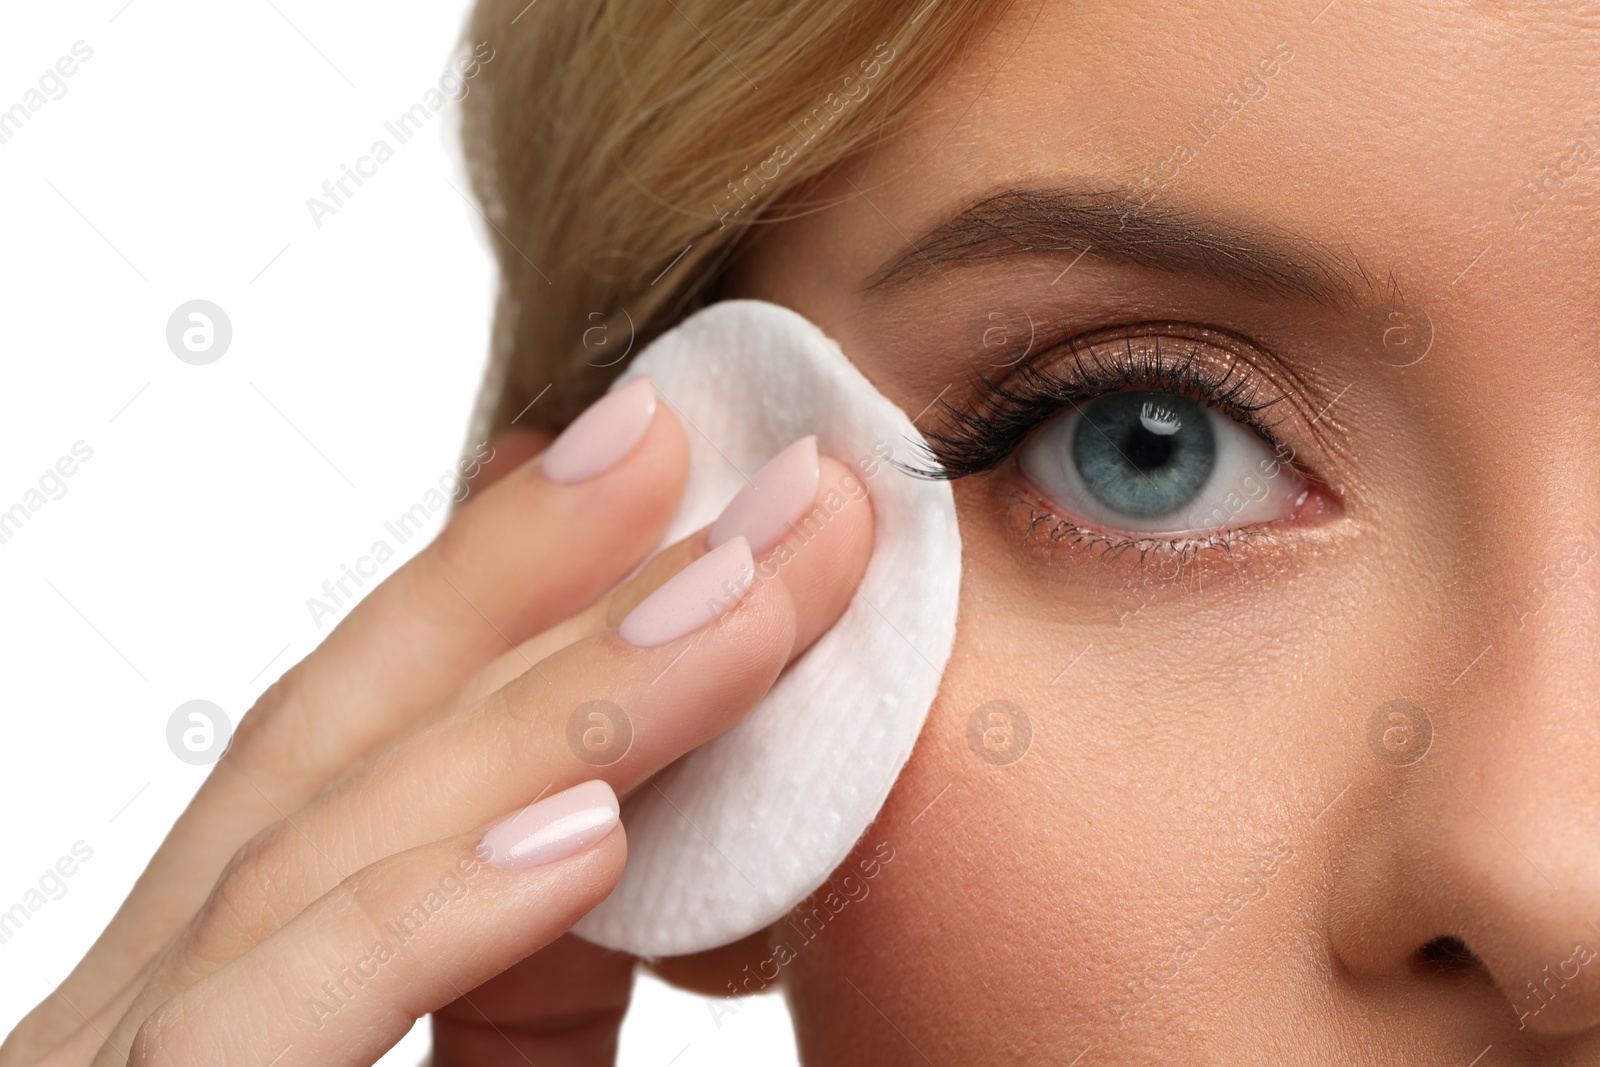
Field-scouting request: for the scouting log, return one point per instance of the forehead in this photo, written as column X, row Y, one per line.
column 1417, row 138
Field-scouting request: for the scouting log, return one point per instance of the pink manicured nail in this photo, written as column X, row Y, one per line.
column 599, row 438
column 694, row 596
column 775, row 498
column 553, row 828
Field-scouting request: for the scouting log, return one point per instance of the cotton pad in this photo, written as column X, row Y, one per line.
column 733, row 835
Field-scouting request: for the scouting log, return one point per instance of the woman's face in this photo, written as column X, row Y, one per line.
column 1298, row 656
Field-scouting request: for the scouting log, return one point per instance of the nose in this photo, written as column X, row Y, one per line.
column 1491, row 836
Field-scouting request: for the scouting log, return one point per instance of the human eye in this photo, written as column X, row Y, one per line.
column 1153, row 437
column 1156, row 464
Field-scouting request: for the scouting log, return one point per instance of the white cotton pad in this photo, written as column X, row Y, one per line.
column 735, row 834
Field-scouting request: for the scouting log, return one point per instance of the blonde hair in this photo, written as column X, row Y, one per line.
column 621, row 148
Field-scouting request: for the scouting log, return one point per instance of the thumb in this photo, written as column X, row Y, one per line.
column 560, row 1007
column 508, row 450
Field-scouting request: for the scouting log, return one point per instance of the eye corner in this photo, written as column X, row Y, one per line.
column 1317, row 504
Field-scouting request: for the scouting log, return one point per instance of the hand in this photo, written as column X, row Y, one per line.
column 363, row 779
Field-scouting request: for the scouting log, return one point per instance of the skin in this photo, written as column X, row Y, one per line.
column 1200, row 855
column 1041, row 910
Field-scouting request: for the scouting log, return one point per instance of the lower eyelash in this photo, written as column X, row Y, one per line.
column 1044, row 531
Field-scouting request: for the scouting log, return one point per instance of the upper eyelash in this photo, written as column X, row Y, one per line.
column 978, row 438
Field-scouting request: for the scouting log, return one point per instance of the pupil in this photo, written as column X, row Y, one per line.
column 1146, row 450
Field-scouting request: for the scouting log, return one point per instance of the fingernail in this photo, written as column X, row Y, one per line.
column 599, row 438
column 694, row 596
column 775, row 498
column 553, row 828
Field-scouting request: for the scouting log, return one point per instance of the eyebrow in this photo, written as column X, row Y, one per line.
column 1059, row 220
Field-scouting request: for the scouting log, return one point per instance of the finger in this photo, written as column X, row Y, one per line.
column 807, row 562
column 522, row 555
column 718, row 972
column 80, row 1046
column 562, row 1005
column 510, row 449
column 346, row 978
column 527, row 553
column 458, row 770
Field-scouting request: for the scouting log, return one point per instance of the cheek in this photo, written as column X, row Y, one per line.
column 994, row 886
column 1070, row 831
column 998, row 881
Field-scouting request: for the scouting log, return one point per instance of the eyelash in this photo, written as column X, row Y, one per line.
column 1050, row 533
column 982, row 434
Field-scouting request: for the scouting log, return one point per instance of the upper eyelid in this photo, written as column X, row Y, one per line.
column 979, row 434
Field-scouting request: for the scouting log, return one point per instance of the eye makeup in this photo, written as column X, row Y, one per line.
column 1151, row 439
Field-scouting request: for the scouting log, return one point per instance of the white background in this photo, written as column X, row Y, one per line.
column 177, row 563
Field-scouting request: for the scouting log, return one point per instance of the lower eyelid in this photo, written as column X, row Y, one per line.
column 1033, row 521
column 1134, row 581
column 1031, row 518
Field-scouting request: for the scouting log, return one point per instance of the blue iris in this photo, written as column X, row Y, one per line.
column 1144, row 454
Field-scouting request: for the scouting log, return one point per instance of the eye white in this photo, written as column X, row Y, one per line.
column 1249, row 482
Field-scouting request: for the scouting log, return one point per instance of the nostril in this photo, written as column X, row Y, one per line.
column 1447, row 954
